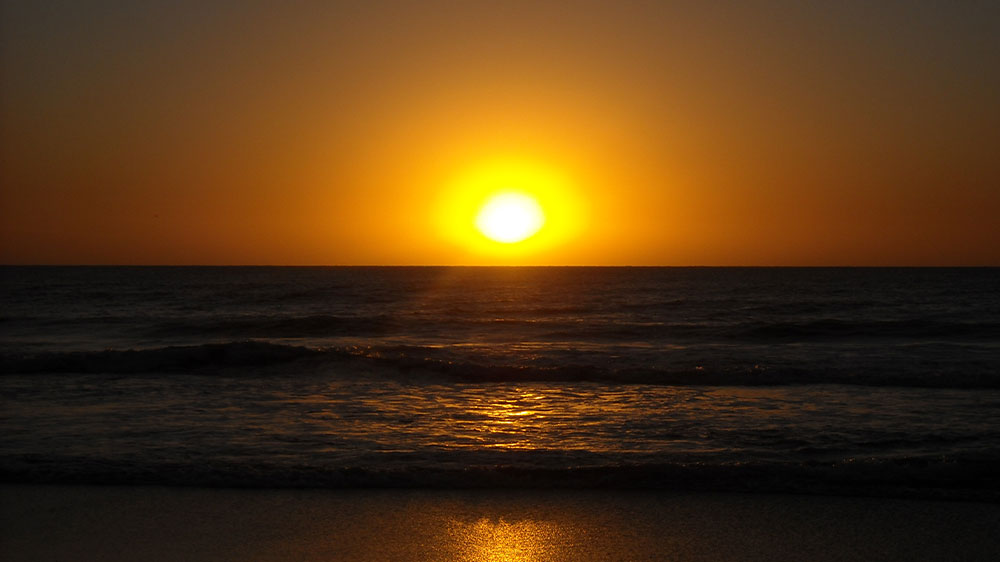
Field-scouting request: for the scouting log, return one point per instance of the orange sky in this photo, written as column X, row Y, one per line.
column 242, row 133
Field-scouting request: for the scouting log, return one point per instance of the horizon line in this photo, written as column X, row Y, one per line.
column 609, row 266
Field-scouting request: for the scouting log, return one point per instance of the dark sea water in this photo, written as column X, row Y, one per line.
column 854, row 381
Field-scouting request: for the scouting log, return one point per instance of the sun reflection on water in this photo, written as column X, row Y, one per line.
column 515, row 420
column 487, row 540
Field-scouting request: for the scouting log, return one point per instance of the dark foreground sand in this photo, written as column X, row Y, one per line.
column 150, row 523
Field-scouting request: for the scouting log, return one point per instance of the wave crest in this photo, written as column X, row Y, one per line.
column 946, row 478
column 253, row 357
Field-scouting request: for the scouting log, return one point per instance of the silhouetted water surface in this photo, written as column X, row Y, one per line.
column 823, row 380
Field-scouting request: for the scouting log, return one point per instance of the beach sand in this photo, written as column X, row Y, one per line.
column 112, row 523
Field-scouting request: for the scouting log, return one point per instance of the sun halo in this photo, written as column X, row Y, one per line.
column 553, row 216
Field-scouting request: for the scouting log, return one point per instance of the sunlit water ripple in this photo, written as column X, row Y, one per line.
column 853, row 381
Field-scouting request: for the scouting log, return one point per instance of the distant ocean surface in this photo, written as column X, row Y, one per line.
column 820, row 380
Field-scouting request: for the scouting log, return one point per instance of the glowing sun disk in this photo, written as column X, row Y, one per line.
column 510, row 217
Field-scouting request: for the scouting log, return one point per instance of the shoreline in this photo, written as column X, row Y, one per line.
column 123, row 522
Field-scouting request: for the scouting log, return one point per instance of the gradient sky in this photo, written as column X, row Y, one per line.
column 777, row 133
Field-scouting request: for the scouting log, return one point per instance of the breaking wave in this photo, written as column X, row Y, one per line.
column 937, row 477
column 249, row 358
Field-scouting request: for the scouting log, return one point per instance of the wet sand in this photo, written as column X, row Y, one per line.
column 152, row 523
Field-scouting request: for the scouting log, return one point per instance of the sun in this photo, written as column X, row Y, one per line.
column 509, row 210
column 510, row 217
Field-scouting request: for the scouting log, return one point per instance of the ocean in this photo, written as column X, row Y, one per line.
column 854, row 381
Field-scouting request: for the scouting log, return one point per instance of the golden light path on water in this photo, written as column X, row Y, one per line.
column 513, row 417
column 487, row 540
column 498, row 540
